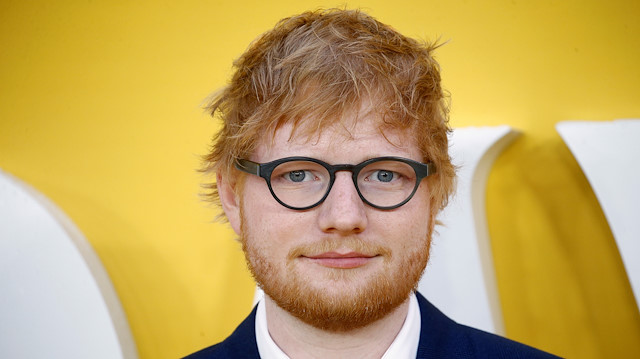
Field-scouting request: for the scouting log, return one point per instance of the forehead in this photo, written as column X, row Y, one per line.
column 348, row 141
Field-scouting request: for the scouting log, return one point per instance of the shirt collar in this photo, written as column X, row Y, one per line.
column 404, row 346
column 267, row 348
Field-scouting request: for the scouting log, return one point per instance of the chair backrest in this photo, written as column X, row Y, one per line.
column 460, row 278
column 56, row 300
column 609, row 155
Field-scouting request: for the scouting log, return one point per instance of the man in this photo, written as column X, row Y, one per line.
column 331, row 167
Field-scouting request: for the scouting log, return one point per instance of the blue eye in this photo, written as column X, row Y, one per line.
column 297, row 176
column 385, row 176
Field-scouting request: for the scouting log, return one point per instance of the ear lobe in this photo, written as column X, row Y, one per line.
column 230, row 201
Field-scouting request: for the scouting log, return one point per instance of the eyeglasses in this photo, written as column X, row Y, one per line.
column 302, row 183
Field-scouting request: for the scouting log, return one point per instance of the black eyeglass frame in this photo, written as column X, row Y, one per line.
column 264, row 170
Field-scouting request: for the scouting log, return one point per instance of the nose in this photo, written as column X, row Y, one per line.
column 343, row 211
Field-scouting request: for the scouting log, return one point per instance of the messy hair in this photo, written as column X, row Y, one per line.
column 318, row 68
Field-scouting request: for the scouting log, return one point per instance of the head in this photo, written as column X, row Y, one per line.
column 339, row 84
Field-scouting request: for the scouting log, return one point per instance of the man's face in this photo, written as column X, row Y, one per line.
column 343, row 264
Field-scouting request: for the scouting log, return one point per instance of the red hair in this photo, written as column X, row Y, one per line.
column 316, row 68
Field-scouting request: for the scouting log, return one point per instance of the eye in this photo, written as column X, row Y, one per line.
column 299, row 176
column 297, row 173
column 383, row 176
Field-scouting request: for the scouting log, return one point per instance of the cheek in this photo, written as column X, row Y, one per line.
column 420, row 209
column 257, row 203
column 409, row 227
column 274, row 226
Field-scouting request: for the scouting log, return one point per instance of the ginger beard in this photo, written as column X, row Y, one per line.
column 354, row 299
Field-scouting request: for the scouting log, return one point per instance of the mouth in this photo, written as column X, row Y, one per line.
column 338, row 260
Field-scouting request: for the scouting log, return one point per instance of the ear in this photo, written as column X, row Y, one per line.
column 230, row 200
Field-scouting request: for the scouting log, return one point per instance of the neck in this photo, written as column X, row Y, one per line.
column 301, row 340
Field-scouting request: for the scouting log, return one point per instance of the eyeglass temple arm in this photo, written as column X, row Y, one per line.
column 431, row 168
column 248, row 166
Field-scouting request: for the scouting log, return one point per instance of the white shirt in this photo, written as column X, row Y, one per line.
column 404, row 346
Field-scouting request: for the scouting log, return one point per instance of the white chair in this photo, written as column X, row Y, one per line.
column 56, row 300
column 609, row 155
column 460, row 278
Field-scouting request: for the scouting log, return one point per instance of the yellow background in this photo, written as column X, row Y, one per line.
column 100, row 109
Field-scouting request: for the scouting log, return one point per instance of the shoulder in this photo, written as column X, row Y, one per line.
column 487, row 345
column 240, row 344
column 441, row 337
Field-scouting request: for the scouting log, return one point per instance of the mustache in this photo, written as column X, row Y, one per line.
column 333, row 244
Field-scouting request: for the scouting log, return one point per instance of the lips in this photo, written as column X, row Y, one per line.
column 341, row 260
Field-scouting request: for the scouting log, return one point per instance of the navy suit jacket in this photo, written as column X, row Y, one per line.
column 440, row 338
